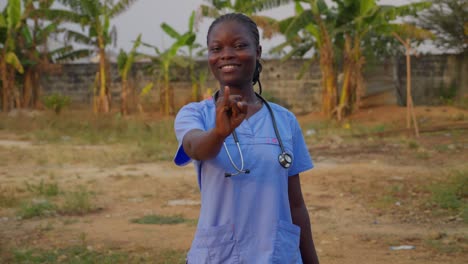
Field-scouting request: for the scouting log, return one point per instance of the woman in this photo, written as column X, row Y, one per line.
column 248, row 154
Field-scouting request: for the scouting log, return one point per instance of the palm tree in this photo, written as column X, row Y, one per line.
column 95, row 16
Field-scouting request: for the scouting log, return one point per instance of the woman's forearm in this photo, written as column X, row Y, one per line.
column 301, row 218
column 202, row 145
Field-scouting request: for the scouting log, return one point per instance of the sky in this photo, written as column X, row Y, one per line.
column 146, row 16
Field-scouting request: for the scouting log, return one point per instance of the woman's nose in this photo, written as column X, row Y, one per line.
column 227, row 53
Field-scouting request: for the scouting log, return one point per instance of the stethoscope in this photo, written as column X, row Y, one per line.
column 284, row 158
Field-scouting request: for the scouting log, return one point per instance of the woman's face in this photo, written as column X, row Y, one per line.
column 232, row 54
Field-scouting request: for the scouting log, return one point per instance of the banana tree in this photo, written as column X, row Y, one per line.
column 357, row 19
column 163, row 61
column 196, row 86
column 10, row 22
column 308, row 30
column 124, row 64
column 33, row 49
column 95, row 16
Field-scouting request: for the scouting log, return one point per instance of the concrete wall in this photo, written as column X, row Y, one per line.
column 385, row 82
column 433, row 77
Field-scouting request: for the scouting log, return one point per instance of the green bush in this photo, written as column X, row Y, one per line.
column 78, row 202
column 56, row 102
column 37, row 209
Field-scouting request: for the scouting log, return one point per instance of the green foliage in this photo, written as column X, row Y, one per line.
column 43, row 188
column 453, row 194
column 37, row 208
column 413, row 144
column 78, row 202
column 448, row 95
column 56, row 102
column 160, row 220
column 448, row 19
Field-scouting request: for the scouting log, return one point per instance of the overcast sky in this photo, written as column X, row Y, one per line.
column 146, row 16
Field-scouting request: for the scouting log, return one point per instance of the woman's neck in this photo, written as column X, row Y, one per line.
column 247, row 93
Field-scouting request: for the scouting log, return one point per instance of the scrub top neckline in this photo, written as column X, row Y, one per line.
column 250, row 124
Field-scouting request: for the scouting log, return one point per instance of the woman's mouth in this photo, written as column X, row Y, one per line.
column 228, row 68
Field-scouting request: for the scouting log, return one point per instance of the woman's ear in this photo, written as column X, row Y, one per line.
column 259, row 52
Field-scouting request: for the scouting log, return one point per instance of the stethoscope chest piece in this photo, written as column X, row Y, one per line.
column 285, row 160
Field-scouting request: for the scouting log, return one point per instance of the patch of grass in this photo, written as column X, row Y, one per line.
column 445, row 246
column 160, row 220
column 8, row 197
column 413, row 144
column 143, row 139
column 171, row 256
column 77, row 254
column 43, row 188
column 37, row 209
column 78, row 202
column 390, row 196
column 452, row 194
column 424, row 155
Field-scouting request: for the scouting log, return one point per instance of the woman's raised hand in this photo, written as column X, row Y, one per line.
column 231, row 110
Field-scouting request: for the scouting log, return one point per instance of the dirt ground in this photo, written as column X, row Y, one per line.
column 365, row 195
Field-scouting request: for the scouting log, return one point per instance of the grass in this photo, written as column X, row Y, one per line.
column 75, row 255
column 43, row 188
column 160, row 220
column 84, row 255
column 452, row 195
column 78, row 202
column 8, row 197
column 38, row 208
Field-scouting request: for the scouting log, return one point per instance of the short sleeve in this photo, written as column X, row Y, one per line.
column 188, row 118
column 302, row 160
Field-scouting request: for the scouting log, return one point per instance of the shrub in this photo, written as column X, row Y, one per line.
column 56, row 102
column 78, row 202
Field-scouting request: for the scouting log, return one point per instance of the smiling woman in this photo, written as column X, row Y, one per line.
column 248, row 154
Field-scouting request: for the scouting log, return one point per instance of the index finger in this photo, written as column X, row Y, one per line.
column 226, row 95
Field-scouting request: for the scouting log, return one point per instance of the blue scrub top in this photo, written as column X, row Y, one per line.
column 245, row 218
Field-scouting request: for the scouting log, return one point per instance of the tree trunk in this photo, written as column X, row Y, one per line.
column 103, row 105
column 5, row 83
column 328, row 74
column 166, row 93
column 28, row 87
column 124, row 96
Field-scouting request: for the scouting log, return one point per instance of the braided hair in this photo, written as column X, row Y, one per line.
column 247, row 21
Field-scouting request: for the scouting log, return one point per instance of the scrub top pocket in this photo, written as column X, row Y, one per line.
column 214, row 245
column 286, row 247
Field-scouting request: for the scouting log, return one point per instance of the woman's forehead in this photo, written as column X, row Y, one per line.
column 229, row 28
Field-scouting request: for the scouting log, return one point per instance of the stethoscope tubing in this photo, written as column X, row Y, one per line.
column 236, row 140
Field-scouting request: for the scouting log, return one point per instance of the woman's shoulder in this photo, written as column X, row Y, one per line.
column 201, row 106
column 281, row 110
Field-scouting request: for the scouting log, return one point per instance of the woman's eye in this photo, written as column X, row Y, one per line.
column 240, row 46
column 215, row 49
